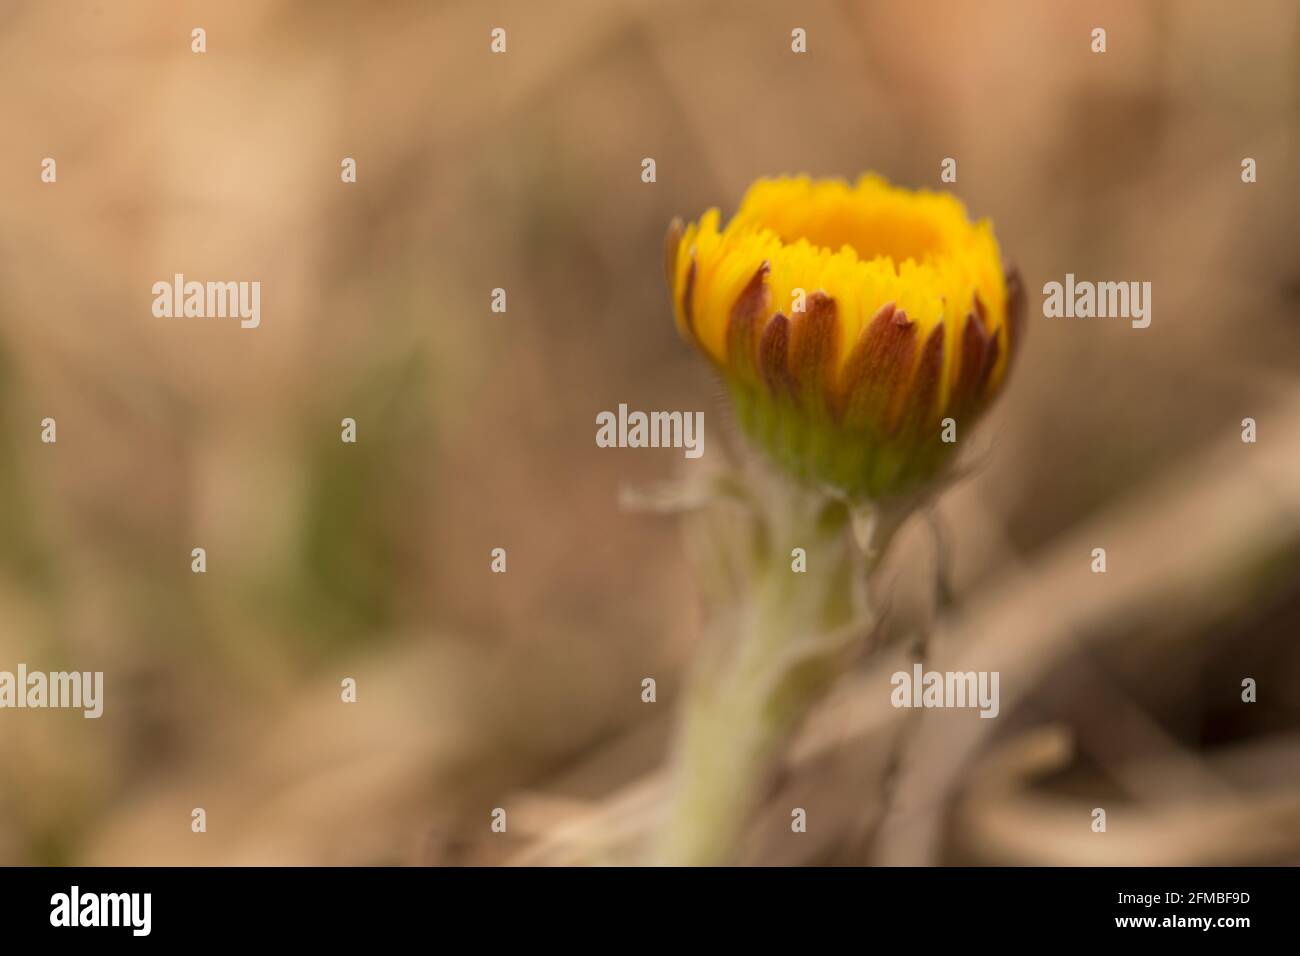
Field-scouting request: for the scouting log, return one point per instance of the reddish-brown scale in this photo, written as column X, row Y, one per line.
column 986, row 383
column 814, row 349
column 878, row 367
column 1015, row 315
column 974, row 362
column 917, row 412
column 688, row 292
column 773, row 349
column 743, row 325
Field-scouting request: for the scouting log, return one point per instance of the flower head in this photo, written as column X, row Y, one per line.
column 848, row 322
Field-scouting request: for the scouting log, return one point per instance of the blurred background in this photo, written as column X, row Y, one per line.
column 476, row 429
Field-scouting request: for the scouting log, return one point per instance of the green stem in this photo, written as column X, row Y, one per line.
column 774, row 648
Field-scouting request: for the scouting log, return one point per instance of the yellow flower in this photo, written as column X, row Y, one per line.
column 848, row 323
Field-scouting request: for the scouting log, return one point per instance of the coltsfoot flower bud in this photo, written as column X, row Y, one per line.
column 848, row 322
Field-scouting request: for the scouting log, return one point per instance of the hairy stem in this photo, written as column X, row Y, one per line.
column 778, row 640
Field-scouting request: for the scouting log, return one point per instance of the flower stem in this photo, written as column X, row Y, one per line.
column 775, row 645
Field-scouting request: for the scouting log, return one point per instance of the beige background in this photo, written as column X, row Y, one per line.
column 522, row 171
